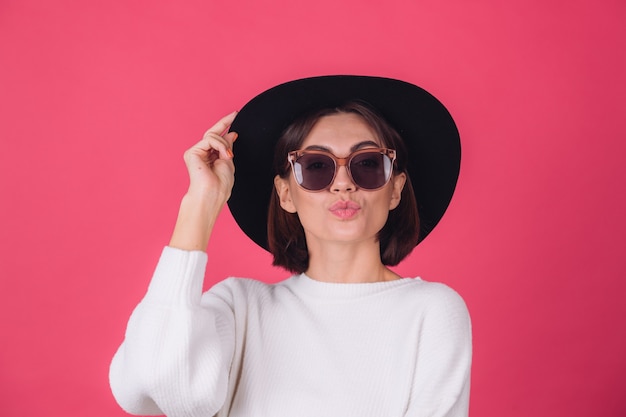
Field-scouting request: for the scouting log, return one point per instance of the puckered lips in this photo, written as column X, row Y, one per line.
column 345, row 209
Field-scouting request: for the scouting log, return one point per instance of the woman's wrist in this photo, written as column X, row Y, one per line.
column 196, row 218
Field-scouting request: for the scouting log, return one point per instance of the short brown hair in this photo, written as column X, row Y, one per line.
column 286, row 238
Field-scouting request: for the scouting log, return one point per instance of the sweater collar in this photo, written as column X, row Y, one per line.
column 302, row 283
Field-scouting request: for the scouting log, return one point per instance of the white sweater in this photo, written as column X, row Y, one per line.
column 293, row 349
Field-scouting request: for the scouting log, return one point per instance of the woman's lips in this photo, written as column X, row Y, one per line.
column 345, row 209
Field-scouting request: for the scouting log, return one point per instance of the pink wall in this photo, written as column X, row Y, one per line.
column 98, row 102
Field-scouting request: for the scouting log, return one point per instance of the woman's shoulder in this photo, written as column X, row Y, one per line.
column 434, row 295
column 240, row 288
column 427, row 287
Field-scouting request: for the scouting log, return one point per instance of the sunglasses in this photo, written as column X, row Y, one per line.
column 369, row 169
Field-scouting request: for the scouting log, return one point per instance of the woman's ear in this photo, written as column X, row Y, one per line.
column 284, row 195
column 397, row 182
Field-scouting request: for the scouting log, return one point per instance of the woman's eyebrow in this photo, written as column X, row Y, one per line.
column 317, row 148
column 364, row 144
column 356, row 147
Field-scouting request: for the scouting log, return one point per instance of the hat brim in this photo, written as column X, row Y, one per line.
column 427, row 128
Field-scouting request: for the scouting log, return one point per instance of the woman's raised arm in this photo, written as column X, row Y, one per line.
column 211, row 179
column 177, row 351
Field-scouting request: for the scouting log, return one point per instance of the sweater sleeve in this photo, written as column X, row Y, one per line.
column 441, row 383
column 177, row 350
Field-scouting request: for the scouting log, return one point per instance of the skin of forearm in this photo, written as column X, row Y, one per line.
column 196, row 218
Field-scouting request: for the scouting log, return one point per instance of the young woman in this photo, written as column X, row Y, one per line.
column 343, row 200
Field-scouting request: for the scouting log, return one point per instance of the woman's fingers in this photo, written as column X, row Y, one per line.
column 210, row 161
column 215, row 143
column 217, row 134
column 222, row 125
column 217, row 139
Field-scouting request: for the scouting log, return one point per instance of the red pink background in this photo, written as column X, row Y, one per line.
column 98, row 101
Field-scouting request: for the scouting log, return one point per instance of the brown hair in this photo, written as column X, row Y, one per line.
column 286, row 237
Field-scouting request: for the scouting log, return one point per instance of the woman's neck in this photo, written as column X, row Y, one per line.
column 348, row 263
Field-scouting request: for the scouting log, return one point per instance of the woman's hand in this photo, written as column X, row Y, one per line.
column 209, row 162
column 211, row 179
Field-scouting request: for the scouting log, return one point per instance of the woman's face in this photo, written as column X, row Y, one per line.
column 344, row 212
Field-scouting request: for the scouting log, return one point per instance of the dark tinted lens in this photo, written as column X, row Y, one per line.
column 369, row 169
column 314, row 171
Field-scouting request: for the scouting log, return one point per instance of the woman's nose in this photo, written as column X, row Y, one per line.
column 343, row 180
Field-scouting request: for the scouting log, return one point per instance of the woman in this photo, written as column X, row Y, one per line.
column 345, row 335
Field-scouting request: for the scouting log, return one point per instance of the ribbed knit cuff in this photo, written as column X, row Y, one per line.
column 178, row 278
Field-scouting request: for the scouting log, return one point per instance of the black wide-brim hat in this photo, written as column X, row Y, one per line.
column 427, row 128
